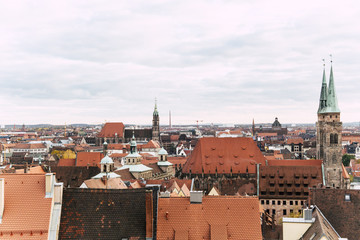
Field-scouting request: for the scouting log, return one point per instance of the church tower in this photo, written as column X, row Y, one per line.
column 328, row 134
column 156, row 124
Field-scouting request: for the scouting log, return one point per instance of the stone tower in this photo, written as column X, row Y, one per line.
column 156, row 124
column 328, row 134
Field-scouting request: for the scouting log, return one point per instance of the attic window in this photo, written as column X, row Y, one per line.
column 213, row 148
column 347, row 198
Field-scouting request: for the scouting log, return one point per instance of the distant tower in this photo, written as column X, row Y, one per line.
column 253, row 127
column 169, row 119
column 328, row 134
column 156, row 124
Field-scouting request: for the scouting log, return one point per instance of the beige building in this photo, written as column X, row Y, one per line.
column 133, row 163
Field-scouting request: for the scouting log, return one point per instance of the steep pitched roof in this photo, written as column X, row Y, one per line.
column 108, row 214
column 342, row 213
column 229, row 217
column 294, row 162
column 111, row 128
column 66, row 162
column 112, row 183
column 320, row 228
column 224, row 155
column 151, row 144
column 27, row 211
column 89, row 159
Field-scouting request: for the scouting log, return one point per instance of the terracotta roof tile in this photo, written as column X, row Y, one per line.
column 110, row 129
column 26, row 208
column 66, row 162
column 294, row 162
column 89, row 159
column 224, row 155
column 237, row 216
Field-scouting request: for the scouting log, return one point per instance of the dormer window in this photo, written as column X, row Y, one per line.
column 347, row 198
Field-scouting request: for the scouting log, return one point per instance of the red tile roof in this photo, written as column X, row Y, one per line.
column 66, row 162
column 151, row 144
column 294, row 162
column 26, row 210
column 295, row 141
column 111, row 128
column 236, row 217
column 89, row 159
column 224, row 155
column 116, row 146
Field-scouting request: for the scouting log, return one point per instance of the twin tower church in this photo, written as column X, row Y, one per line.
column 328, row 135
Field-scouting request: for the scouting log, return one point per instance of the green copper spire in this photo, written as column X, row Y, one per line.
column 156, row 113
column 323, row 94
column 332, row 104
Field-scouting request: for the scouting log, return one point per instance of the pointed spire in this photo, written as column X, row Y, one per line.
column 332, row 104
column 156, row 113
column 323, row 94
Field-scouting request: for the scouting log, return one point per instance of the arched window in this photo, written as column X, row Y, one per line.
column 336, row 138
column 331, row 138
column 334, row 159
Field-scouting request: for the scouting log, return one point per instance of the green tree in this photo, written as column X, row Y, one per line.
column 346, row 159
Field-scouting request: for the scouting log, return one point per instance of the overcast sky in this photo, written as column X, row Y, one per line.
column 216, row 61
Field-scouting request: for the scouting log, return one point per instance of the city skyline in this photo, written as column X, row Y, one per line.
column 219, row 62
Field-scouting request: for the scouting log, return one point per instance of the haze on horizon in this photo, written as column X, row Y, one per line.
column 217, row 61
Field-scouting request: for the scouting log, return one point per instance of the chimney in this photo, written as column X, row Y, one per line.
column 307, row 214
column 2, row 188
column 196, row 197
column 48, row 184
column 104, row 179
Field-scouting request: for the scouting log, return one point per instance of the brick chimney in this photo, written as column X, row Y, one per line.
column 2, row 188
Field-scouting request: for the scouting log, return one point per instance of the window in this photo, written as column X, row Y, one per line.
column 296, row 202
column 347, row 198
column 273, row 202
column 302, row 203
column 284, row 202
column 284, row 212
column 267, row 202
column 279, row 203
column 262, row 202
column 273, row 211
column 291, row 202
column 291, row 211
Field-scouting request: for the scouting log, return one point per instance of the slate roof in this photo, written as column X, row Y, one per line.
column 343, row 215
column 320, row 228
column 74, row 176
column 215, row 218
column 26, row 210
column 224, row 155
column 103, row 214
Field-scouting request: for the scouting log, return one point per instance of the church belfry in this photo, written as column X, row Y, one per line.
column 156, row 124
column 328, row 134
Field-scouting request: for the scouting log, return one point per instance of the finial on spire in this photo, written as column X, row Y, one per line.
column 331, row 59
column 323, row 62
column 155, row 108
